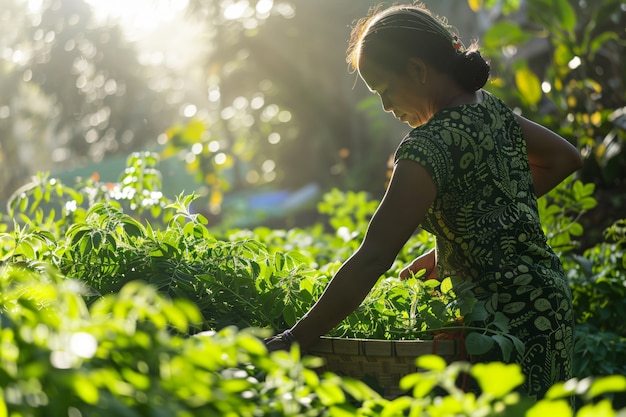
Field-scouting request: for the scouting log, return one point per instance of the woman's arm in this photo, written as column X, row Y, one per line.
column 551, row 157
column 408, row 197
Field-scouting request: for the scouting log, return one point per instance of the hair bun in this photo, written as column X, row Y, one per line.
column 471, row 70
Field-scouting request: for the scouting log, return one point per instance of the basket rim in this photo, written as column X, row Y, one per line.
column 383, row 347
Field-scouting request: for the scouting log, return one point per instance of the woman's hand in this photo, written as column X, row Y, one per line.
column 276, row 343
column 282, row 341
column 427, row 261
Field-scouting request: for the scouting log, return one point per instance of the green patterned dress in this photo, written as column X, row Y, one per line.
column 487, row 231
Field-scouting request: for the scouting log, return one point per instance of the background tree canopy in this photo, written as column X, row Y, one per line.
column 256, row 94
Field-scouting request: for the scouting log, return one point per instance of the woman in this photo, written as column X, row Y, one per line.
column 469, row 172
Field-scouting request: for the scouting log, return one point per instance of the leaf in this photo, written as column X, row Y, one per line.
column 431, row 283
column 545, row 408
column 478, row 343
column 431, row 362
column 3, row 406
column 603, row 385
column 565, row 14
column 85, row 389
column 425, row 385
column 506, row 346
column 603, row 408
column 289, row 314
column 479, row 312
column 343, row 410
column 505, row 33
column 519, row 345
column 561, row 390
column 475, row 5
column 132, row 228
column 598, row 41
column 279, row 261
column 26, row 249
column 501, row 322
column 528, row 85
column 329, row 393
column 398, row 407
column 446, row 285
column 497, row 378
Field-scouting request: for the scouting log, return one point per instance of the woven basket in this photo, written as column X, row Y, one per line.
column 380, row 363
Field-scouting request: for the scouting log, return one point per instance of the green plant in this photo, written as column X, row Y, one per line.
column 561, row 210
column 495, row 394
column 128, row 354
column 349, row 212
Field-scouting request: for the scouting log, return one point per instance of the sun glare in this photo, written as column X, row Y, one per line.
column 157, row 27
column 138, row 16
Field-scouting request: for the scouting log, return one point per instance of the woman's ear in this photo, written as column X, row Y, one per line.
column 417, row 70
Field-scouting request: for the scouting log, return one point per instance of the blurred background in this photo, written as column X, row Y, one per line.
column 250, row 103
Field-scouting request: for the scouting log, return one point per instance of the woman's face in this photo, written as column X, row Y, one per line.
column 405, row 95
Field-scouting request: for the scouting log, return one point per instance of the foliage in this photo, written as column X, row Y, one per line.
column 597, row 279
column 348, row 212
column 48, row 204
column 269, row 278
column 573, row 81
column 127, row 355
column 561, row 211
column 74, row 90
column 497, row 396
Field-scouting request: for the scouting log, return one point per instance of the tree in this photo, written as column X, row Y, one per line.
column 73, row 92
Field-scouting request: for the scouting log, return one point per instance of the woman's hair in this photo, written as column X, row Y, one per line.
column 390, row 37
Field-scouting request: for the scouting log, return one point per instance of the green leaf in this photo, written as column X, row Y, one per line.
column 251, row 344
column 289, row 314
column 528, row 85
column 329, row 393
column 603, row 385
column 479, row 312
column 497, row 378
column 343, row 410
column 598, row 41
column 545, row 408
column 85, row 389
column 425, row 385
column 431, row 362
column 478, row 343
column 560, row 390
column 576, row 229
column 501, row 322
column 431, row 284
column 26, row 249
column 279, row 261
column 506, row 346
column 519, row 345
column 565, row 14
column 603, row 408
column 398, row 407
column 446, row 285
column 505, row 33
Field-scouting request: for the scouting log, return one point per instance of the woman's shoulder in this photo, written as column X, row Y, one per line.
column 462, row 116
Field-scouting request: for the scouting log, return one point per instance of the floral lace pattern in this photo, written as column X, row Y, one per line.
column 487, row 228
